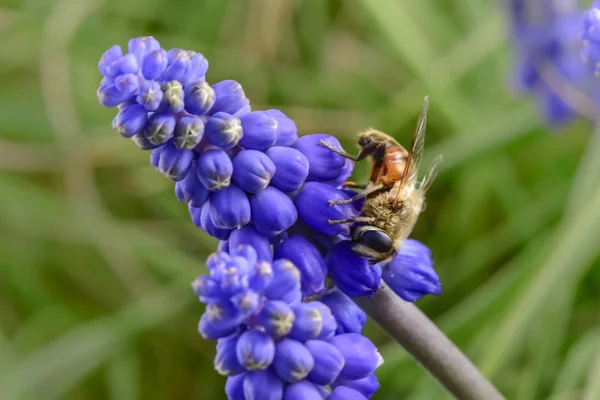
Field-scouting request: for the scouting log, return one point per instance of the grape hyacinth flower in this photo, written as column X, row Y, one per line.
column 547, row 40
column 268, row 344
column 278, row 291
column 591, row 38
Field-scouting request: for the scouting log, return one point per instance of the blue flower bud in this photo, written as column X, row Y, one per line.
column 217, row 261
column 263, row 385
column 260, row 130
column 351, row 273
column 207, row 289
column 291, row 168
column 308, row 322
column 214, row 169
column 277, row 317
column 211, row 331
column 366, row 386
column 252, row 170
column 348, row 316
column 255, row 350
column 127, row 83
column 344, row 175
column 263, row 276
column 226, row 362
column 130, row 120
column 314, row 209
column 143, row 143
column 245, row 109
column 329, row 324
column 229, row 208
column 308, row 260
column 360, row 355
column 198, row 69
column 108, row 58
column 329, row 362
column 190, row 191
column 345, row 393
column 246, row 302
column 410, row 272
column 273, row 212
column 245, row 251
column 229, row 97
column 111, row 94
column 234, row 387
column 172, row 100
column 154, row 64
column 142, row 46
column 188, row 132
column 323, row 391
column 178, row 67
column 199, row 98
column 287, row 133
column 325, row 165
column 303, row 390
column 201, row 218
column 160, row 128
column 293, row 362
column 174, row 163
column 224, row 314
column 126, row 64
column 248, row 235
column 285, row 284
column 150, row 95
column 223, row 130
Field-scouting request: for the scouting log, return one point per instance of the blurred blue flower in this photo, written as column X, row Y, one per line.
column 546, row 36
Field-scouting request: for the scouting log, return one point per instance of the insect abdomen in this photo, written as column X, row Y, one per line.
column 393, row 165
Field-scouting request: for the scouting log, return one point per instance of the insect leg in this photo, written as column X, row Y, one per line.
column 360, row 156
column 354, row 185
column 353, row 219
column 367, row 192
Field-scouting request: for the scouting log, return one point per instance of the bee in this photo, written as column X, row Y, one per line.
column 394, row 197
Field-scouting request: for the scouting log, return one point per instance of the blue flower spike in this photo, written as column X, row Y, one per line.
column 249, row 181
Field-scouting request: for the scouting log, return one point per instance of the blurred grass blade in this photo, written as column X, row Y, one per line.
column 64, row 361
column 123, row 377
column 577, row 363
column 587, row 177
column 575, row 246
column 592, row 386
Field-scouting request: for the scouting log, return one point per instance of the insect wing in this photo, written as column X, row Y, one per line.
column 409, row 177
column 431, row 174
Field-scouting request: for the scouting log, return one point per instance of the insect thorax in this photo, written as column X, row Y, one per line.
column 397, row 220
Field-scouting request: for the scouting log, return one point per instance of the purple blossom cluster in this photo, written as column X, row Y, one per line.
column 546, row 36
column 278, row 290
column 590, row 52
column 271, row 344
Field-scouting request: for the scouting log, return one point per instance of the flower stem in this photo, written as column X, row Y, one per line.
column 407, row 325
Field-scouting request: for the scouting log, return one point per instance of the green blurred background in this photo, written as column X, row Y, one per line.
column 96, row 253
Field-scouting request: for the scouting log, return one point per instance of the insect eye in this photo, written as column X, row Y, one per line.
column 376, row 240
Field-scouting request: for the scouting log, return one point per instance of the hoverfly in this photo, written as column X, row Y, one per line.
column 394, row 197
